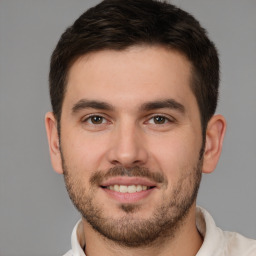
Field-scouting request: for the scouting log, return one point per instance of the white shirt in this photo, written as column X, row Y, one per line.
column 216, row 242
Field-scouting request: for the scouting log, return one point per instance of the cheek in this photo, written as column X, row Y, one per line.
column 82, row 152
column 176, row 154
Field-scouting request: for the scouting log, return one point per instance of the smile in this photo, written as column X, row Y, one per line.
column 128, row 189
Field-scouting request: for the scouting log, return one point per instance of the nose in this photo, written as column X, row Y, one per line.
column 127, row 146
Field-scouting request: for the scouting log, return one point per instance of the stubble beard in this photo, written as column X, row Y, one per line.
column 129, row 230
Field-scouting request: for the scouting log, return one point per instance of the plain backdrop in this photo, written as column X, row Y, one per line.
column 36, row 215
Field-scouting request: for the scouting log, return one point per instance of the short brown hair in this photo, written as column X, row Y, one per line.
column 118, row 24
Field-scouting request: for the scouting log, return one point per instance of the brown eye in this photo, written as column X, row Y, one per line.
column 96, row 120
column 159, row 120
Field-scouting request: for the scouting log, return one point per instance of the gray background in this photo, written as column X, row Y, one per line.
column 36, row 216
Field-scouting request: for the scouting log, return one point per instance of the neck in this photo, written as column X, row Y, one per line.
column 185, row 242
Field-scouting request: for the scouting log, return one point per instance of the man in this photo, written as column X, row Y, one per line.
column 134, row 88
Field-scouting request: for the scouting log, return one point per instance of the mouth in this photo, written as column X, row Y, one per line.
column 128, row 189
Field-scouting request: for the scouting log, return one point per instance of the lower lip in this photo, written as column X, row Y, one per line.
column 128, row 197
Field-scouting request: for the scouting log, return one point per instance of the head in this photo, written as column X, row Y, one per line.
column 117, row 25
column 134, row 87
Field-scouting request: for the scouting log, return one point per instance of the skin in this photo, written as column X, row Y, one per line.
column 163, row 139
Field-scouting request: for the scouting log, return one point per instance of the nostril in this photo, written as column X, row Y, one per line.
column 115, row 162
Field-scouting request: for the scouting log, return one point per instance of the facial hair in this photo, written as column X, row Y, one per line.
column 129, row 230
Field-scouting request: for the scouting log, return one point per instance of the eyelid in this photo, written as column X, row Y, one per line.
column 85, row 118
column 169, row 118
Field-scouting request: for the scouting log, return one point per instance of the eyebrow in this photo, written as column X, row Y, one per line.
column 148, row 106
column 84, row 104
column 168, row 103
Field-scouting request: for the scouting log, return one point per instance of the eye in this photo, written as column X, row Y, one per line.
column 158, row 120
column 95, row 119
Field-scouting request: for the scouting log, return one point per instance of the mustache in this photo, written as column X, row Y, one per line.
column 137, row 171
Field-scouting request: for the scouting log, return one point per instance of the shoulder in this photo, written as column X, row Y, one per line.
column 237, row 245
column 69, row 253
column 221, row 243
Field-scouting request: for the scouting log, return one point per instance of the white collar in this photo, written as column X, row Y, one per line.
column 216, row 242
column 77, row 240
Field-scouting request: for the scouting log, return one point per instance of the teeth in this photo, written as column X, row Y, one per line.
column 123, row 189
column 127, row 189
column 139, row 188
column 131, row 189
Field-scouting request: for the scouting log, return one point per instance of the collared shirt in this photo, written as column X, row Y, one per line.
column 216, row 242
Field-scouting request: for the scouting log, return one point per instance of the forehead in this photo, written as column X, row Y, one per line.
column 139, row 73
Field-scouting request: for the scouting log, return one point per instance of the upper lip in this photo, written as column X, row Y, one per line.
column 127, row 181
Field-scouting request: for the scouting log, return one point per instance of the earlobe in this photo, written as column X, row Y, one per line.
column 53, row 141
column 214, row 140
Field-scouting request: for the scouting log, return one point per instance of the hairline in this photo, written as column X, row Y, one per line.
column 192, row 81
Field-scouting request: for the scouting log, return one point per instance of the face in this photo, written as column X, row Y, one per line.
column 130, row 142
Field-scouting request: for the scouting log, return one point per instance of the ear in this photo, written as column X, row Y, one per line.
column 53, row 141
column 215, row 132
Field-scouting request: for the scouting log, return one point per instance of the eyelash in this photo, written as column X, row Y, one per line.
column 166, row 119
column 89, row 120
